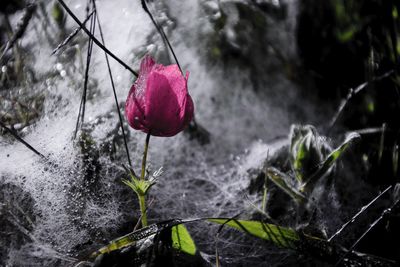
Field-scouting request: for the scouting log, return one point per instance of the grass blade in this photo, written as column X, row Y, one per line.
column 329, row 161
column 279, row 178
column 280, row 236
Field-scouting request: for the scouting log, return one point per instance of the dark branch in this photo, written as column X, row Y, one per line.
column 364, row 208
column 113, row 88
column 161, row 32
column 97, row 42
column 71, row 36
column 353, row 92
column 16, row 136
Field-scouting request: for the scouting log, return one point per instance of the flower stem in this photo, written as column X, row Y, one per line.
column 142, row 203
column 146, row 147
column 142, row 197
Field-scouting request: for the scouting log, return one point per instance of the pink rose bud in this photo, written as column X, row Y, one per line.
column 158, row 101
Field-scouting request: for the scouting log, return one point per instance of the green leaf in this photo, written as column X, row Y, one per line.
column 128, row 240
column 139, row 186
column 347, row 34
column 329, row 161
column 307, row 150
column 280, row 236
column 280, row 179
column 181, row 239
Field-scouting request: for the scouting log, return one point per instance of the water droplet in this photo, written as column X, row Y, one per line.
column 59, row 66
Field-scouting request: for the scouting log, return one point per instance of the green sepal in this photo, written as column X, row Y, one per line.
column 139, row 186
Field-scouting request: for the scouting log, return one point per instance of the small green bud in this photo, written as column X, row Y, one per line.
column 307, row 151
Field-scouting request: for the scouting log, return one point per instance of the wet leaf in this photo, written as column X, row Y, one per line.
column 180, row 236
column 329, row 161
column 280, row 179
column 285, row 237
column 280, row 236
column 128, row 240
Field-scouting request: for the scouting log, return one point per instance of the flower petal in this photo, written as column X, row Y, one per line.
column 158, row 101
column 146, row 65
column 162, row 107
column 134, row 110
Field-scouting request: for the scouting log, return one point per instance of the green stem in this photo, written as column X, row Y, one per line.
column 265, row 193
column 142, row 203
column 141, row 197
column 146, row 147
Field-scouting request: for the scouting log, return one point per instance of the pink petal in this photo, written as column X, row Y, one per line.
column 162, row 109
column 159, row 102
column 134, row 110
column 176, row 81
column 146, row 65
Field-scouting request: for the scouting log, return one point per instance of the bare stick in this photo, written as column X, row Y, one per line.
column 97, row 42
column 364, row 208
column 113, row 88
column 71, row 36
column 21, row 27
column 81, row 114
column 372, row 225
column 353, row 92
column 161, row 32
column 16, row 136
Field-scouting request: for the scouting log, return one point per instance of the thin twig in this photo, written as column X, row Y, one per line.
column 364, row 208
column 113, row 88
column 21, row 27
column 71, row 36
column 82, row 106
column 97, row 42
column 16, row 136
column 383, row 215
column 353, row 92
column 88, row 59
column 372, row 130
column 161, row 32
column 144, row 159
column 217, row 261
